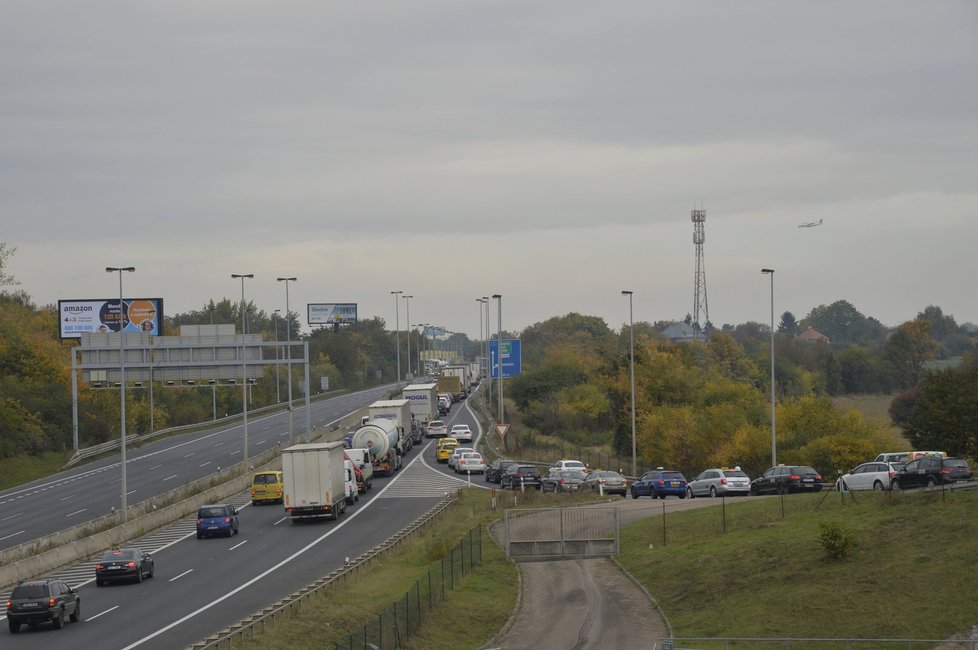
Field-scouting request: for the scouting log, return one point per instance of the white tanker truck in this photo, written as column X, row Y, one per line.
column 382, row 439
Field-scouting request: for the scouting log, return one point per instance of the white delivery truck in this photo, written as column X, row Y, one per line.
column 381, row 439
column 424, row 403
column 314, row 480
column 397, row 411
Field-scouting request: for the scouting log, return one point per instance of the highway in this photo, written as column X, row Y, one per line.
column 78, row 495
column 203, row 586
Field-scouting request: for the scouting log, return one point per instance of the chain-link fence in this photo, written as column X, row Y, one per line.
column 405, row 615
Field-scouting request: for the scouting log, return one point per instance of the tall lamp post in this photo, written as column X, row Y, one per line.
column 288, row 352
column 481, row 303
column 499, row 351
column 122, row 383
column 631, row 346
column 485, row 299
column 397, row 331
column 407, row 303
column 244, row 365
column 774, row 439
column 278, row 383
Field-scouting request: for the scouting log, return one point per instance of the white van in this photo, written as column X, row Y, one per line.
column 362, row 458
column 350, row 483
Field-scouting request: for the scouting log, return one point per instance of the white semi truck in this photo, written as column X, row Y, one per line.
column 424, row 403
column 314, row 480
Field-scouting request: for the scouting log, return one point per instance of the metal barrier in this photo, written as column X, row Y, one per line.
column 558, row 533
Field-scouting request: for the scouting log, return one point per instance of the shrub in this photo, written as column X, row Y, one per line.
column 836, row 540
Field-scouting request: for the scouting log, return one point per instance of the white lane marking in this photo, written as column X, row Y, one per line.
column 169, row 477
column 76, row 512
column 280, row 521
column 219, row 444
column 11, row 535
column 238, row 544
column 261, row 442
column 181, row 575
column 205, row 464
column 304, row 549
column 102, row 613
column 234, row 452
column 190, row 454
column 129, row 492
column 157, row 466
column 11, row 516
column 67, row 497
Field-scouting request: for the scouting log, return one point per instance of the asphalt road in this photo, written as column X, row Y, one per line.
column 43, row 507
column 204, row 586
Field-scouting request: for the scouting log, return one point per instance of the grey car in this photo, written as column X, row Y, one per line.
column 719, row 482
column 562, row 480
column 607, row 481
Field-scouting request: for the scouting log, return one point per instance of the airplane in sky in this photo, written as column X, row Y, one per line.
column 811, row 224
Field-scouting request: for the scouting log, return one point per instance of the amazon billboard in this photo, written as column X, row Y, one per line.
column 79, row 317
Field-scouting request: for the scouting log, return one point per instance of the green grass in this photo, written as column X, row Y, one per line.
column 23, row 469
column 910, row 573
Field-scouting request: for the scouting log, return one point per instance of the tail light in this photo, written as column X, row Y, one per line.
column 99, row 566
column 254, row 492
column 818, row 477
column 200, row 521
column 131, row 565
column 795, row 477
column 890, row 474
column 945, row 470
column 661, row 482
column 723, row 481
column 51, row 602
column 561, row 481
column 227, row 520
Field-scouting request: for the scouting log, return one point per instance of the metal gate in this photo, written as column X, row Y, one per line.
column 559, row 533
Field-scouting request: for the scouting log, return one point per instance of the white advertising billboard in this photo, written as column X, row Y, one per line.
column 78, row 317
column 332, row 313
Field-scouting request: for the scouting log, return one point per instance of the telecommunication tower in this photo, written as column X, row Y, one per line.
column 700, row 304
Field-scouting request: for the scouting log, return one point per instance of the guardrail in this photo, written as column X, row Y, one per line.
column 289, row 605
column 759, row 643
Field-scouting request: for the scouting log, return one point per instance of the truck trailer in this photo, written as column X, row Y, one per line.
column 314, row 479
column 381, row 439
column 424, row 403
column 397, row 411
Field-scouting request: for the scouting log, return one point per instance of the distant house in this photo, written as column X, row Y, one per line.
column 683, row 333
column 812, row 335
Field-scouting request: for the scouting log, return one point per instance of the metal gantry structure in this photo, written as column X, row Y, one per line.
column 700, row 304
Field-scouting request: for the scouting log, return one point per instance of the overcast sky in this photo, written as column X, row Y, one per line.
column 548, row 151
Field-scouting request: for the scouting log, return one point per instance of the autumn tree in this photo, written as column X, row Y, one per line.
column 945, row 413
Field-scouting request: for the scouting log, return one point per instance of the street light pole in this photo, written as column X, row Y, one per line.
column 631, row 340
column 278, row 383
column 485, row 300
column 397, row 331
column 288, row 353
column 244, row 365
column 122, row 382
column 479, row 300
column 774, row 438
column 407, row 302
column 499, row 351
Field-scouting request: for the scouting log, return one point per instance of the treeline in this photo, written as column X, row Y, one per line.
column 703, row 404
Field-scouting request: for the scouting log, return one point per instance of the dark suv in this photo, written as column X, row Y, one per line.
column 660, row 483
column 787, row 478
column 518, row 475
column 40, row 601
column 929, row 471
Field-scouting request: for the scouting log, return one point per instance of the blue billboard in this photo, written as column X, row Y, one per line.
column 511, row 357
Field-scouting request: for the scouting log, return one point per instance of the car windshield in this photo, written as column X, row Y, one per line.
column 608, row 474
column 265, row 479
column 30, row 591
column 211, row 512
column 672, row 475
column 572, row 474
column 734, row 472
column 804, row 469
column 957, row 463
column 526, row 469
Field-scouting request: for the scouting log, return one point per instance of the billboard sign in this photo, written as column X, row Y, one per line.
column 332, row 313
column 512, row 358
column 79, row 317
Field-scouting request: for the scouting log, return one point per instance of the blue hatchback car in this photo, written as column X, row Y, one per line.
column 660, row 483
column 217, row 519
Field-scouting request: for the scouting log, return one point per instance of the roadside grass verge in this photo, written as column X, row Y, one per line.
column 910, row 573
column 23, row 469
column 480, row 605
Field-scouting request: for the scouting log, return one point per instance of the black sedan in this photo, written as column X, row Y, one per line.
column 129, row 564
column 931, row 471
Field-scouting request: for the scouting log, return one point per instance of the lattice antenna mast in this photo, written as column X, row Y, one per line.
column 700, row 304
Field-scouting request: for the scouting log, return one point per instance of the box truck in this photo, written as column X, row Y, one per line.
column 314, row 478
column 462, row 372
column 424, row 403
column 397, row 411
